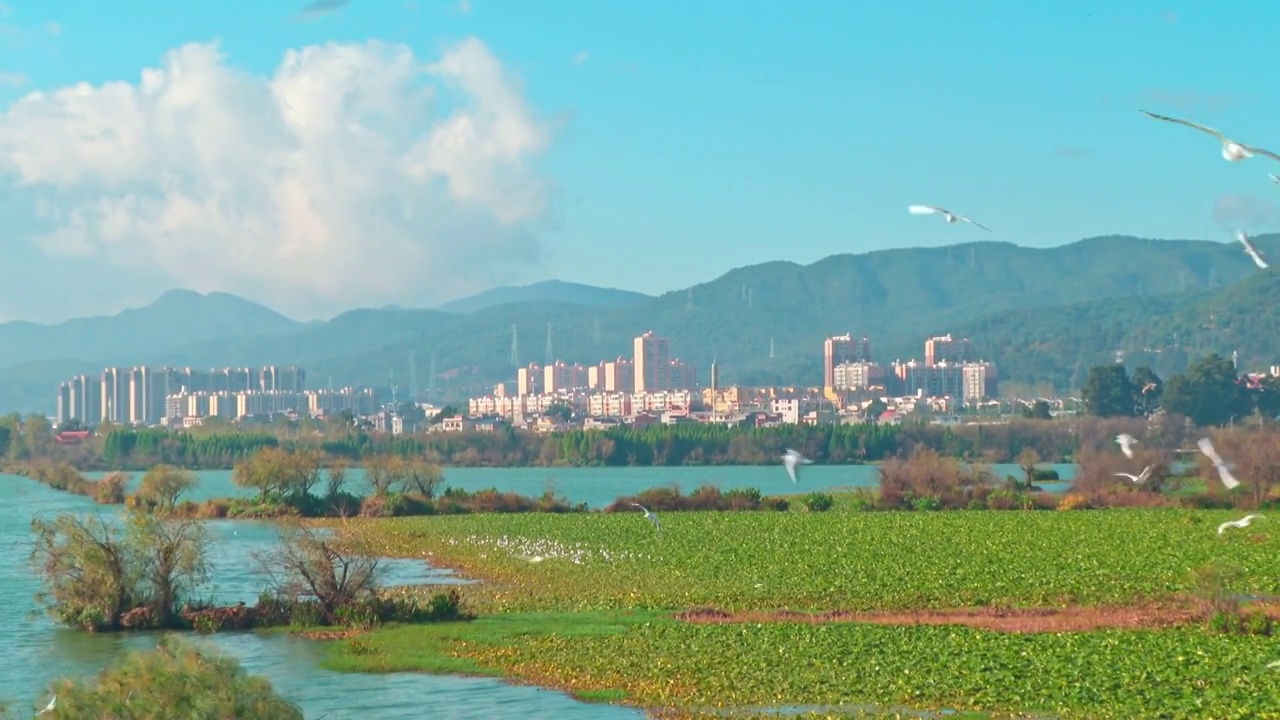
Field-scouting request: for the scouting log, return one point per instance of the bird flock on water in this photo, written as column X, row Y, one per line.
column 1232, row 151
column 1205, row 445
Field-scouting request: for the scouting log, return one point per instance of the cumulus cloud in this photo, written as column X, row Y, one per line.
column 355, row 175
column 1244, row 212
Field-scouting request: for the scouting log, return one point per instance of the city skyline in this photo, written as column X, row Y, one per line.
column 552, row 89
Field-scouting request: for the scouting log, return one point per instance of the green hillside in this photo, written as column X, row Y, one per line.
column 1042, row 314
column 898, row 297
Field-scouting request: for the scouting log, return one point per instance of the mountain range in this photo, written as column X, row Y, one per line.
column 1044, row 315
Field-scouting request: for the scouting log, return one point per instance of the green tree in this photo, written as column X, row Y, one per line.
column 1209, row 392
column 169, row 558
column 162, row 485
column 874, row 410
column 96, row 574
column 88, row 577
column 1148, row 389
column 176, row 680
column 1108, row 392
column 1038, row 410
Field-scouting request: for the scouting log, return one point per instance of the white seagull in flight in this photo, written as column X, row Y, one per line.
column 1139, row 478
column 649, row 515
column 1274, row 178
column 792, row 460
column 1241, row 523
column 1126, row 443
column 1232, row 151
column 1250, row 250
column 1224, row 470
column 950, row 216
column 49, row 708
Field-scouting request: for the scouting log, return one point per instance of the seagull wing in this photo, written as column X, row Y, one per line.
column 1131, row 477
column 1227, row 478
column 1188, row 123
column 1206, row 447
column 1263, row 151
column 646, row 511
column 971, row 221
column 925, row 210
column 1274, row 178
column 1251, row 249
column 1223, row 527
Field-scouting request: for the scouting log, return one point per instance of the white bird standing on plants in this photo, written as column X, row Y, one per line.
column 792, row 462
column 650, row 516
column 1224, row 470
column 1232, row 151
column 1140, row 477
column 1241, row 523
column 950, row 216
column 1126, row 442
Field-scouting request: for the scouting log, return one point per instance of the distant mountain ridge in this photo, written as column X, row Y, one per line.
column 546, row 291
column 999, row 294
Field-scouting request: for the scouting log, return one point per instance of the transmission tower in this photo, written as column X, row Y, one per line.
column 973, row 253
column 750, row 296
column 515, row 345
column 688, row 303
column 770, row 348
column 595, row 330
column 551, row 353
column 431, row 379
column 413, row 376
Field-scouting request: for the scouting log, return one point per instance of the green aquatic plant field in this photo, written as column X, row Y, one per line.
column 828, row 561
column 650, row 660
column 586, row 603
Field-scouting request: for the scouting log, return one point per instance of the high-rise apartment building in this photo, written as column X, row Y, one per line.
column 945, row 348
column 841, row 349
column 115, row 396
column 560, row 377
column 652, row 362
column 529, row 380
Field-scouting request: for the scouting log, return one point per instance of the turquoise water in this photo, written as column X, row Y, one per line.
column 599, row 487
column 36, row 651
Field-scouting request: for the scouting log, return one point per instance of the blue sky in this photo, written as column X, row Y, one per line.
column 705, row 136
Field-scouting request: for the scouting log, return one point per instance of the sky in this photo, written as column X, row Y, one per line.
column 379, row 152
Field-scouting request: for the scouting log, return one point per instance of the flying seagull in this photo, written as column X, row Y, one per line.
column 1139, row 478
column 49, row 708
column 950, row 216
column 1126, row 443
column 792, row 460
column 1274, row 666
column 1224, row 470
column 1250, row 250
column 1274, row 178
column 316, row 8
column 1232, row 151
column 1241, row 523
column 649, row 515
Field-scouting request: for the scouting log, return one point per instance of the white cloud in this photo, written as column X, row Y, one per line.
column 12, row 79
column 581, row 57
column 334, row 183
column 1243, row 211
column 464, row 6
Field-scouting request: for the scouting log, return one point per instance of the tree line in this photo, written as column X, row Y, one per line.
column 128, row 449
column 1211, row 392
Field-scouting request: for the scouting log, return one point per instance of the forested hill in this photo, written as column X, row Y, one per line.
column 1101, row 291
column 897, row 297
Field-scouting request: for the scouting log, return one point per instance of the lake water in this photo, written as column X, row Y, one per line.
column 37, row 651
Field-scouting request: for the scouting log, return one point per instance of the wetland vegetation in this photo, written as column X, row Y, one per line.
column 1122, row 601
